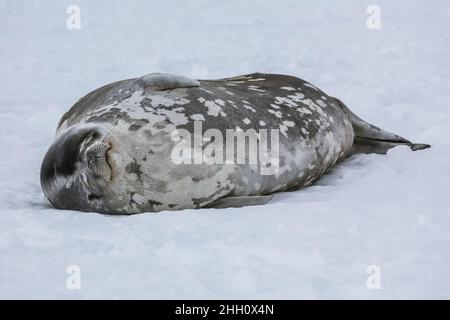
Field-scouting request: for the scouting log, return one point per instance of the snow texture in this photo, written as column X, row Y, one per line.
column 390, row 210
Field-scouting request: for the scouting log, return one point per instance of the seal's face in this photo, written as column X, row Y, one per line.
column 77, row 171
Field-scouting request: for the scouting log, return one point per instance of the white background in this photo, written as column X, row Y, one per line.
column 387, row 210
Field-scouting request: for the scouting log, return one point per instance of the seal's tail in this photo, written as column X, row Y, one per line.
column 371, row 139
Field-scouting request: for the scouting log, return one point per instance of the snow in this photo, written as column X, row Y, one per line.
column 391, row 211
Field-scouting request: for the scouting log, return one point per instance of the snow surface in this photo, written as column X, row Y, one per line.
column 391, row 211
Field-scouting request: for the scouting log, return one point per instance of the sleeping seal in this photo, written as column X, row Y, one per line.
column 163, row 142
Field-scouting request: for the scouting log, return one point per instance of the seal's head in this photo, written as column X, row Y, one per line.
column 77, row 171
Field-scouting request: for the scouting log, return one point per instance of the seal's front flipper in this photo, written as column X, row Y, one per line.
column 371, row 139
column 166, row 81
column 238, row 202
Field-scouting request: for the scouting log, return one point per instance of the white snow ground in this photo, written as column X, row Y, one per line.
column 391, row 211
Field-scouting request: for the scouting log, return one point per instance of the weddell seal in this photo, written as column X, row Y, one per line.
column 166, row 142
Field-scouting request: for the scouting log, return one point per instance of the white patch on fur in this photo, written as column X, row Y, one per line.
column 214, row 109
column 283, row 130
column 310, row 86
column 288, row 88
column 277, row 114
column 256, row 88
column 321, row 103
column 289, row 123
column 249, row 108
column 220, row 102
column 304, row 110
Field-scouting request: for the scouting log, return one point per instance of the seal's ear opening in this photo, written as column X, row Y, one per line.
column 371, row 139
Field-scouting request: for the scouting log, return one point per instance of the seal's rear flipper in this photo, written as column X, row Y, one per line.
column 371, row 139
column 238, row 202
column 368, row 145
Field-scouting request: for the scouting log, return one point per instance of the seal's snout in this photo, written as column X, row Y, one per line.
column 96, row 159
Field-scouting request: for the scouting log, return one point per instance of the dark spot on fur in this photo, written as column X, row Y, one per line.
column 134, row 167
column 134, row 127
column 146, row 105
column 148, row 133
column 138, row 124
column 158, row 184
column 160, row 125
column 153, row 203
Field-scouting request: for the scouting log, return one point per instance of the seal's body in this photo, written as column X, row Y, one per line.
column 117, row 149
